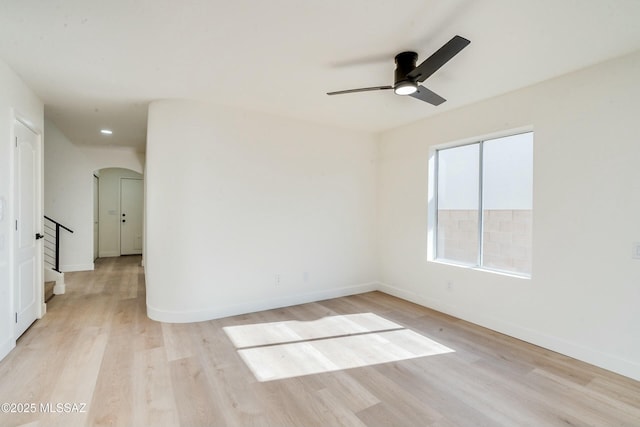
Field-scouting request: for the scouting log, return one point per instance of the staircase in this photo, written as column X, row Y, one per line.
column 55, row 277
column 52, row 273
column 48, row 290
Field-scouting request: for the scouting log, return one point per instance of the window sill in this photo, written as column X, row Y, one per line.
column 483, row 269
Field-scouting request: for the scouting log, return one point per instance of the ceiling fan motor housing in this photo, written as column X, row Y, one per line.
column 405, row 63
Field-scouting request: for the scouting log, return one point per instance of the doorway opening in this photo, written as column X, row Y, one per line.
column 118, row 212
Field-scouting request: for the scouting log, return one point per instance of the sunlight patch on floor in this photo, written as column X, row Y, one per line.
column 288, row 349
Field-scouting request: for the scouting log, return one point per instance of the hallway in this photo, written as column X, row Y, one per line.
column 82, row 347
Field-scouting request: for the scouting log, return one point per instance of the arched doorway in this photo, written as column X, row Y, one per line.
column 118, row 212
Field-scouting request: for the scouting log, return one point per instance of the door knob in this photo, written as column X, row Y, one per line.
column 39, row 236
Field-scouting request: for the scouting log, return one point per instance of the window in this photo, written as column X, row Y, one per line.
column 483, row 204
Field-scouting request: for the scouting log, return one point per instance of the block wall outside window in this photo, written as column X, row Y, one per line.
column 458, row 235
column 506, row 238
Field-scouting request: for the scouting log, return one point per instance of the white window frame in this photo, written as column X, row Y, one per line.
column 432, row 205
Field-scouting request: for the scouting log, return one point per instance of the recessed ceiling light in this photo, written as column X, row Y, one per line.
column 106, row 131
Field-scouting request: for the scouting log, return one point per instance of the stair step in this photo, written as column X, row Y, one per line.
column 48, row 290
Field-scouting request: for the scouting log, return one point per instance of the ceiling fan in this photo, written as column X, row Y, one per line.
column 408, row 75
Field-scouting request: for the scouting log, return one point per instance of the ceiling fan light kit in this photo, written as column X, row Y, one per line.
column 405, row 63
column 407, row 75
column 405, row 88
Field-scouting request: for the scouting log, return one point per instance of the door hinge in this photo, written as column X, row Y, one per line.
column 16, row 142
column 16, row 225
column 16, row 317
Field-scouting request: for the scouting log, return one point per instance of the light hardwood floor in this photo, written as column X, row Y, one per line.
column 96, row 347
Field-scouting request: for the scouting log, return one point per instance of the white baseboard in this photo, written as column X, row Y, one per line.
column 254, row 306
column 76, row 267
column 592, row 356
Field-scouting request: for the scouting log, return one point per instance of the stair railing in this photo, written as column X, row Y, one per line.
column 52, row 242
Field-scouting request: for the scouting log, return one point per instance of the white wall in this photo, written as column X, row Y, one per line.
column 113, row 157
column 234, row 198
column 16, row 99
column 582, row 299
column 109, row 209
column 68, row 190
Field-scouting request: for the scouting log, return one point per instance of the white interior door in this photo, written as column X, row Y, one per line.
column 96, row 222
column 131, row 198
column 27, row 262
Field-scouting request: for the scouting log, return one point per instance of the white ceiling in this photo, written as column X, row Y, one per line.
column 97, row 63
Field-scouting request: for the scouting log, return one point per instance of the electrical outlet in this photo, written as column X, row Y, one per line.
column 636, row 250
column 449, row 285
column 277, row 279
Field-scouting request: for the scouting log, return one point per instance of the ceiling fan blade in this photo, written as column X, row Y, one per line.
column 364, row 89
column 424, row 94
column 438, row 59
